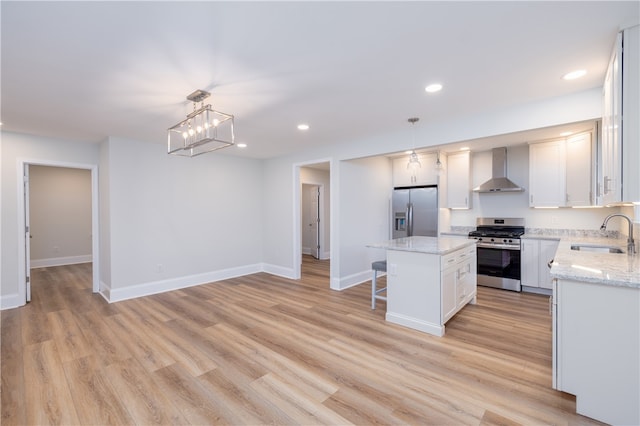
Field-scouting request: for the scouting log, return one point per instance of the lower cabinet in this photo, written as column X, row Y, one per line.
column 535, row 258
column 596, row 341
column 424, row 290
column 458, row 280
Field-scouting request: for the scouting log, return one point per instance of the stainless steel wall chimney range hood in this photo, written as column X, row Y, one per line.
column 499, row 181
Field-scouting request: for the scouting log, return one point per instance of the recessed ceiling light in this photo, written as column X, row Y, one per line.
column 408, row 151
column 566, row 133
column 432, row 88
column 241, row 145
column 574, row 74
column 303, row 127
column 464, row 148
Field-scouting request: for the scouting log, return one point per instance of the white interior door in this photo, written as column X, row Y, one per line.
column 311, row 220
column 27, row 237
column 315, row 221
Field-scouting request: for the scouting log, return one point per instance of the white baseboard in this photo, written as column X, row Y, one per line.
column 280, row 271
column 306, row 250
column 353, row 280
column 325, row 255
column 155, row 287
column 415, row 323
column 60, row 261
column 10, row 301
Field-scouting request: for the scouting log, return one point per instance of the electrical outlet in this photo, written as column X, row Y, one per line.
column 56, row 249
column 393, row 269
column 555, row 220
column 159, row 268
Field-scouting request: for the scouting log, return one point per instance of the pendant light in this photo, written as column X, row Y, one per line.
column 438, row 163
column 414, row 161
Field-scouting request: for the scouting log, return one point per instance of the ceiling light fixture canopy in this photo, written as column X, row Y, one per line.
column 204, row 130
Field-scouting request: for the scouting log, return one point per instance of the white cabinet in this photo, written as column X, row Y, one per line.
column 547, row 174
column 535, row 256
column 459, row 180
column 458, row 280
column 426, row 174
column 579, row 170
column 596, row 338
column 561, row 172
column 424, row 290
column 620, row 153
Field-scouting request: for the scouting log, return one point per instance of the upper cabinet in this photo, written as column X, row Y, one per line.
column 620, row 175
column 425, row 174
column 560, row 172
column 547, row 174
column 580, row 174
column 459, row 180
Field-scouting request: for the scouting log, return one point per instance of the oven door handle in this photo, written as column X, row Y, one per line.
column 498, row 246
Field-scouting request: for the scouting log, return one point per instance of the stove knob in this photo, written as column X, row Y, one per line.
column 492, row 240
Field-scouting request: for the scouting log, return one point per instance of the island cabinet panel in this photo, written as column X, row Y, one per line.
column 413, row 291
column 425, row 290
column 597, row 341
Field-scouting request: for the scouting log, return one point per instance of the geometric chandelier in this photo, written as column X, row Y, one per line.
column 204, row 130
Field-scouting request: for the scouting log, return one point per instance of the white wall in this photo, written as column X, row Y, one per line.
column 517, row 203
column 60, row 212
column 364, row 212
column 17, row 147
column 105, row 216
column 178, row 221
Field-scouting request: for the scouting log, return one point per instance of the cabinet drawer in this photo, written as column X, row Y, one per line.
column 458, row 256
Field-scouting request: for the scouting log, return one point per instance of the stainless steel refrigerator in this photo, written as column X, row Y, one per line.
column 415, row 212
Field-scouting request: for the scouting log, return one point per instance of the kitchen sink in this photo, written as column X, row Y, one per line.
column 596, row 248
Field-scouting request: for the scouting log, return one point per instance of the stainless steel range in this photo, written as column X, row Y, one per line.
column 498, row 251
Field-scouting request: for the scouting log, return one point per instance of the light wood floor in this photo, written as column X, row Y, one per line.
column 267, row 350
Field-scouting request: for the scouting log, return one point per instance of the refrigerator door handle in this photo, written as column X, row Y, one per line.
column 409, row 220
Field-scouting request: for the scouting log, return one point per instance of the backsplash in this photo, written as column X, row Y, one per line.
column 584, row 233
column 462, row 229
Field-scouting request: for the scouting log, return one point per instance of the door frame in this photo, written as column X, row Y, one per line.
column 318, row 215
column 297, row 217
column 95, row 220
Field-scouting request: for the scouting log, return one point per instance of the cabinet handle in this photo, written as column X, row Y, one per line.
column 466, row 202
column 566, row 198
column 531, row 198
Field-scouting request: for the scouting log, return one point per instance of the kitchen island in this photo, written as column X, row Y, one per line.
column 596, row 329
column 429, row 280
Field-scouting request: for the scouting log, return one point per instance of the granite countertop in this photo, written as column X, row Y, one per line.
column 594, row 267
column 429, row 245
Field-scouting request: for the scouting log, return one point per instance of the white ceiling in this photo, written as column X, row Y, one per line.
column 87, row 70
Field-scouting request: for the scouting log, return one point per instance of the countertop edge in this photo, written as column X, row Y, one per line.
column 616, row 270
column 427, row 245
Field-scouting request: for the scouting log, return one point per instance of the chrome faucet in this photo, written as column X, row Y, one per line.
column 631, row 245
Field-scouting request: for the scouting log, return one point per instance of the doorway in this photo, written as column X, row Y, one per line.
column 313, row 219
column 57, row 247
column 310, row 232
